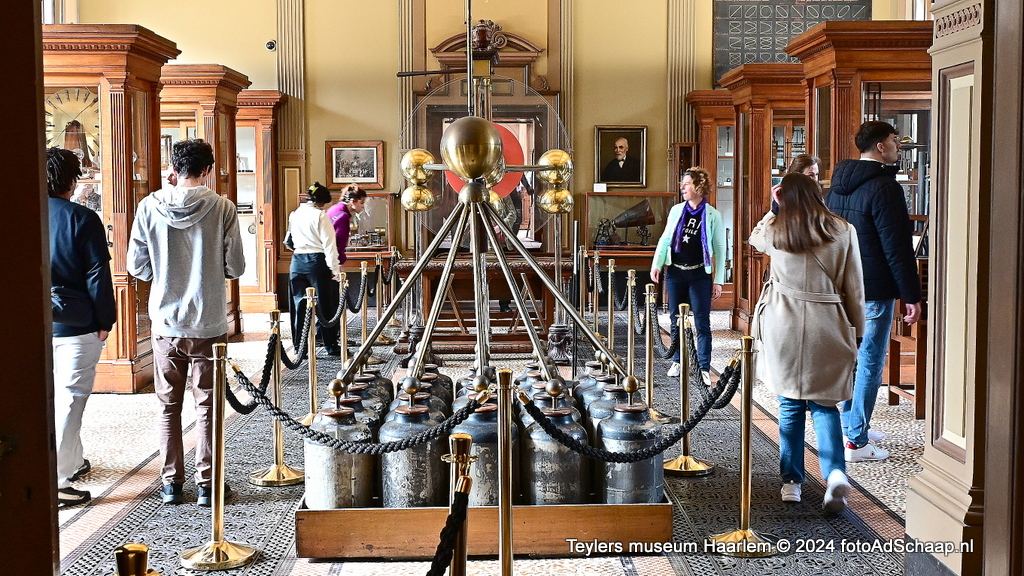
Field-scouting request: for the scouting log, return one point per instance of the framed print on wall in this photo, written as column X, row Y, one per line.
column 620, row 156
column 355, row 162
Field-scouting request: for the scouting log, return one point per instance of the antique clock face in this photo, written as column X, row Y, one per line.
column 73, row 123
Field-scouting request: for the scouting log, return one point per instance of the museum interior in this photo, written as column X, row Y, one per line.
column 538, row 372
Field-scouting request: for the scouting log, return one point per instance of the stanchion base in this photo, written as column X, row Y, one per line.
column 221, row 555
column 744, row 544
column 688, row 467
column 307, row 420
column 384, row 340
column 275, row 475
column 661, row 418
column 373, row 360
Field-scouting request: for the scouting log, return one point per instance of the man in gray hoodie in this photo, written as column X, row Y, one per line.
column 186, row 242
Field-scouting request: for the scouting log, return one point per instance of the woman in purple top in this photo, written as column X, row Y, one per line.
column 353, row 201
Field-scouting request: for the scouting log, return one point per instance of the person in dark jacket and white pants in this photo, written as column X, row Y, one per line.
column 865, row 192
column 79, row 264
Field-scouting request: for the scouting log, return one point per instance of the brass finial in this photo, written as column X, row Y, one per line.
column 338, row 389
column 555, row 388
column 410, row 385
column 630, row 384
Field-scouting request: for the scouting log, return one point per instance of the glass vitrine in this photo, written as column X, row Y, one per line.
column 907, row 106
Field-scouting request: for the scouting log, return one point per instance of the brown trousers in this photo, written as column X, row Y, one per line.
column 172, row 359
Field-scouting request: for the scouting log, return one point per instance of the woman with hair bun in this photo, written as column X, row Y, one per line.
column 341, row 215
column 692, row 248
column 315, row 263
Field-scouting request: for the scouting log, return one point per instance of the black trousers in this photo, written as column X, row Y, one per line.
column 311, row 270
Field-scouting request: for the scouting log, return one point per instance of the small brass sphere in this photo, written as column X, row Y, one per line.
column 630, row 384
column 561, row 161
column 412, row 165
column 495, row 201
column 471, row 147
column 473, row 192
column 417, row 198
column 556, row 201
column 480, row 383
column 555, row 387
column 410, row 385
column 338, row 388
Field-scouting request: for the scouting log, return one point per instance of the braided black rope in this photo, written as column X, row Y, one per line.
column 390, row 274
column 660, row 350
column 620, row 304
column 452, row 527
column 375, row 449
column 356, row 305
column 622, row 457
column 732, row 376
column 301, row 348
column 241, row 407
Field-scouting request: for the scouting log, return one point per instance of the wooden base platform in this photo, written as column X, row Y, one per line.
column 411, row 533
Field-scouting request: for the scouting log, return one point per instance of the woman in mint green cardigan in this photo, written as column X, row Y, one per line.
column 692, row 248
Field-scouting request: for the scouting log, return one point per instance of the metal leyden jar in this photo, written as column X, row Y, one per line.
column 629, row 429
column 612, row 395
column 372, row 399
column 461, row 402
column 586, row 381
column 552, row 473
column 380, row 381
column 430, row 382
column 532, row 380
column 336, row 479
column 380, row 386
column 531, row 366
column 482, row 426
column 415, row 476
column 438, row 410
column 595, row 392
column 464, row 385
column 543, row 401
column 362, row 414
column 445, row 381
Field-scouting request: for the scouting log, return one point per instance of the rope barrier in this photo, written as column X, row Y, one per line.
column 375, row 449
column 449, row 534
column 268, row 366
column 301, row 349
column 356, row 306
column 717, row 394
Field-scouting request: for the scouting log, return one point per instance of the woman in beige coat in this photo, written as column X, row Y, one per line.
column 806, row 325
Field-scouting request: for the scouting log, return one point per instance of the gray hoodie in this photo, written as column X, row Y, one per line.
column 186, row 242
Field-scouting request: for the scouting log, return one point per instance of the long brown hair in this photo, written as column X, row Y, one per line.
column 803, row 222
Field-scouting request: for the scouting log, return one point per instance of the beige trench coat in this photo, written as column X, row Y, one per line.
column 807, row 320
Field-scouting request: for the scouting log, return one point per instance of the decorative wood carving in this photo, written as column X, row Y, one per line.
column 959, row 21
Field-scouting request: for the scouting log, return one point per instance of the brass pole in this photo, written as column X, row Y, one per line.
column 393, row 285
column 279, row 474
column 630, row 333
column 582, row 272
column 595, row 301
column 383, row 339
column 218, row 554
column 611, row 304
column 343, row 322
column 744, row 542
column 685, row 464
column 365, row 313
column 505, row 424
column 460, row 457
column 652, row 326
column 311, row 353
column 558, row 261
column 480, row 284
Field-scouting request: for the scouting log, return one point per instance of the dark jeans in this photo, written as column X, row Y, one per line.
column 692, row 287
column 311, row 270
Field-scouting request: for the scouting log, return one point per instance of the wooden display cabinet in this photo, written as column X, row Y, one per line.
column 376, row 233
column 766, row 97
column 716, row 118
column 100, row 89
column 258, row 217
column 201, row 101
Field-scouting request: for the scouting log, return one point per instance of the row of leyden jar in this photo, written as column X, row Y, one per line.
column 593, row 410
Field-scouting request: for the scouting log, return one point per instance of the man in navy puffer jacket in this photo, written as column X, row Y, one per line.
column 865, row 192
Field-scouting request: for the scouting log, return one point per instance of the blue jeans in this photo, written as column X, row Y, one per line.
column 870, row 362
column 692, row 287
column 791, row 438
column 311, row 270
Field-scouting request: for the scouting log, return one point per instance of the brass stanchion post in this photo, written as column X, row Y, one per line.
column 133, row 560
column 383, row 339
column 685, row 465
column 611, row 305
column 745, row 542
column 582, row 271
column 218, row 554
column 596, row 293
column 365, row 311
column 505, row 425
column 311, row 354
column 460, row 446
column 652, row 328
column 278, row 474
column 393, row 285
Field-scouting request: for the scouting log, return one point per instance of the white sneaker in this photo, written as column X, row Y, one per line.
column 706, row 376
column 790, row 492
column 876, row 435
column 837, row 487
column 673, row 370
column 866, row 453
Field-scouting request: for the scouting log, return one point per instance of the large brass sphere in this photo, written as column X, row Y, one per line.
column 471, row 147
column 412, row 165
column 556, row 201
column 495, row 201
column 417, row 198
column 494, row 177
column 561, row 161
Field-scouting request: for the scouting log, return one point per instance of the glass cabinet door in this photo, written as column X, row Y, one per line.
column 73, row 123
column 725, row 195
column 907, row 106
column 248, row 202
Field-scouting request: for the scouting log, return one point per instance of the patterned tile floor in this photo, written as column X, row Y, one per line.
column 125, row 474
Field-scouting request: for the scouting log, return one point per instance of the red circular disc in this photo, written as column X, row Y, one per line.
column 512, row 151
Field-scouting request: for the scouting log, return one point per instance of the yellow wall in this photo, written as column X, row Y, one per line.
column 620, row 54
column 231, row 33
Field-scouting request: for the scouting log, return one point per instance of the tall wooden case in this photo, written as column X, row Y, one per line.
column 101, row 88
column 204, row 97
column 256, row 170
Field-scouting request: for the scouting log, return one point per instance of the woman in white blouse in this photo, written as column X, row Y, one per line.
column 314, row 263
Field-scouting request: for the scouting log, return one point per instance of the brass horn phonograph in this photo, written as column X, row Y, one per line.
column 640, row 215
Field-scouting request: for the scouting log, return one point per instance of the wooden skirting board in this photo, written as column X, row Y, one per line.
column 412, row 533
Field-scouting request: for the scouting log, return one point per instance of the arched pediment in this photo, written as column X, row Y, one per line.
column 512, row 49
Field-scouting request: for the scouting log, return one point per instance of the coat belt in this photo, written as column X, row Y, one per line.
column 821, row 297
